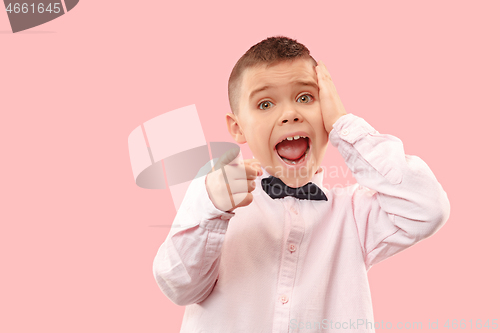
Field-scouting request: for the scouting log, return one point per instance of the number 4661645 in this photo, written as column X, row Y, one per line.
column 40, row 8
column 478, row 324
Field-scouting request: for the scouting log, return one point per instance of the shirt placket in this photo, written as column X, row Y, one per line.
column 288, row 268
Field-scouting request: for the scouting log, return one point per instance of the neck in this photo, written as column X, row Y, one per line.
column 296, row 182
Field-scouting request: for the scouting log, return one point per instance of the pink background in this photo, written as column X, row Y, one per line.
column 79, row 237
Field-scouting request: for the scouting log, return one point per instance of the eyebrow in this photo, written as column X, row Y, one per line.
column 297, row 82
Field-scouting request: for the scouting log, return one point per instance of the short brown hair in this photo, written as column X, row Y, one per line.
column 270, row 51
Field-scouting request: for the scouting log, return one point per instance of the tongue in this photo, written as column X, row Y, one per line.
column 292, row 149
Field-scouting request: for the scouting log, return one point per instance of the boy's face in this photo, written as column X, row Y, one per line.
column 288, row 107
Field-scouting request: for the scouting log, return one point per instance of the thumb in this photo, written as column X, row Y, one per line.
column 229, row 157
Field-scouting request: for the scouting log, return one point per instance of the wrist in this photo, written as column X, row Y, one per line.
column 331, row 121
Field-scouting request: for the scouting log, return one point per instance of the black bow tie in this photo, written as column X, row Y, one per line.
column 277, row 189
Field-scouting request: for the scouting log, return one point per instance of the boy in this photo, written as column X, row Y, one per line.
column 281, row 253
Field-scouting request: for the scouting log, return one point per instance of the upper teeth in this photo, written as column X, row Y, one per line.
column 290, row 138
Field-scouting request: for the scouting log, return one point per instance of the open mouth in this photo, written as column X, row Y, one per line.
column 293, row 150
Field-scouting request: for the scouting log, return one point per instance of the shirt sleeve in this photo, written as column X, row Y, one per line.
column 186, row 265
column 398, row 200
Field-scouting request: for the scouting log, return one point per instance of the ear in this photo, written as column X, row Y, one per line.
column 234, row 128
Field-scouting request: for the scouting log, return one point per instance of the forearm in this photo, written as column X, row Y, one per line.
column 405, row 185
column 187, row 264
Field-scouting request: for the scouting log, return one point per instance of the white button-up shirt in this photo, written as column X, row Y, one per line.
column 291, row 265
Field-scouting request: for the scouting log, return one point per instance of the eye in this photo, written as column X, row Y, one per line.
column 266, row 104
column 301, row 99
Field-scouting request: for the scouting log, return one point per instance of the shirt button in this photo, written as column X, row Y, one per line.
column 284, row 299
column 294, row 210
column 345, row 131
column 292, row 247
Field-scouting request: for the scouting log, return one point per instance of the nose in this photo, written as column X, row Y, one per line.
column 290, row 116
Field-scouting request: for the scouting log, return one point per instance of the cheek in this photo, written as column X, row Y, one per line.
column 319, row 128
column 260, row 133
column 316, row 119
column 319, row 119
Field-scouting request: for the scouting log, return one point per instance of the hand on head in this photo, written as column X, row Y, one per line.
column 331, row 105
